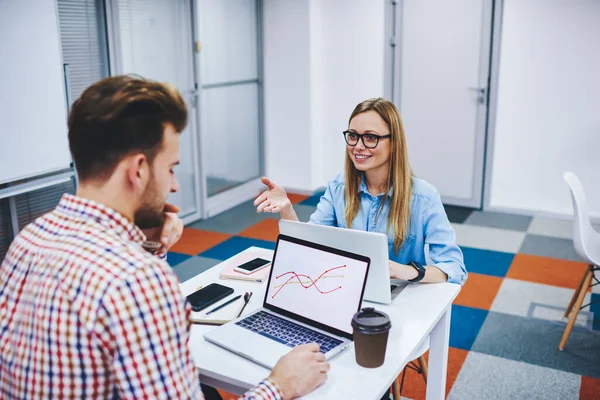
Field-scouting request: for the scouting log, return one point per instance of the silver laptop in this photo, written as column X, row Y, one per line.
column 312, row 293
column 380, row 288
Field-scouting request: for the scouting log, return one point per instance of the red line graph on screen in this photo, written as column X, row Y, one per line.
column 308, row 282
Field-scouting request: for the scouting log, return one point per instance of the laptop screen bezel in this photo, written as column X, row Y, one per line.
column 328, row 249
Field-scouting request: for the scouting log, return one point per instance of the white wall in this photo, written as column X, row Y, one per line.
column 352, row 63
column 286, row 51
column 321, row 58
column 33, row 111
column 548, row 113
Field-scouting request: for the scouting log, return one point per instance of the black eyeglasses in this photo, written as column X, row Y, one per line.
column 370, row 140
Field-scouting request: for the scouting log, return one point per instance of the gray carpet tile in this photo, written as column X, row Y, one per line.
column 536, row 342
column 556, row 228
column 232, row 221
column 550, row 227
column 499, row 220
column 457, row 214
column 492, row 378
column 538, row 301
column 486, row 238
column 549, row 247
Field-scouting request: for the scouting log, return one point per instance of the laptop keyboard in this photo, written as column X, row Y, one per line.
column 286, row 332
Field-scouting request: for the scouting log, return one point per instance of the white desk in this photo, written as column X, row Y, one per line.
column 419, row 311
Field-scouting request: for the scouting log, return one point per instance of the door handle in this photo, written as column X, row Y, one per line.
column 477, row 89
column 194, row 96
column 480, row 93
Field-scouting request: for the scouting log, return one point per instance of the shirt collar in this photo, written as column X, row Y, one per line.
column 363, row 187
column 78, row 207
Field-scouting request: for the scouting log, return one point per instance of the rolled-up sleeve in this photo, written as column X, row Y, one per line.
column 441, row 238
column 266, row 390
column 325, row 213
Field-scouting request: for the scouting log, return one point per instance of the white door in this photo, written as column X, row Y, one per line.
column 440, row 87
column 230, row 101
column 154, row 39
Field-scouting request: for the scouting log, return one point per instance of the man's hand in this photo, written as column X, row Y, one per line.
column 300, row 371
column 169, row 233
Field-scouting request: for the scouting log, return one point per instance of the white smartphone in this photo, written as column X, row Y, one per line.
column 252, row 266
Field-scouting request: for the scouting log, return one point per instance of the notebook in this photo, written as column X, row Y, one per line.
column 228, row 273
column 219, row 317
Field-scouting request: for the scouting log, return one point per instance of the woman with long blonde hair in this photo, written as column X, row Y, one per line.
column 379, row 193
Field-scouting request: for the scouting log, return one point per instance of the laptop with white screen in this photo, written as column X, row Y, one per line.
column 380, row 288
column 312, row 293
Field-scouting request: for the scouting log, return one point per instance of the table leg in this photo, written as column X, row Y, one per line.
column 438, row 357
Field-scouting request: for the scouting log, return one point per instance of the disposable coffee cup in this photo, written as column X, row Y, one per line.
column 371, row 329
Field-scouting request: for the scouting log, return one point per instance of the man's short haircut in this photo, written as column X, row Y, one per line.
column 119, row 116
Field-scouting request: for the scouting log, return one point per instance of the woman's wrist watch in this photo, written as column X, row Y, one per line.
column 420, row 270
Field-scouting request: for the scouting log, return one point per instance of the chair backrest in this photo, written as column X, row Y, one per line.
column 584, row 235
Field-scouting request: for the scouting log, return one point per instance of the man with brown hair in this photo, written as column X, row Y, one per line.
column 85, row 311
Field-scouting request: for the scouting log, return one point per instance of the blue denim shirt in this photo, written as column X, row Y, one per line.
column 429, row 225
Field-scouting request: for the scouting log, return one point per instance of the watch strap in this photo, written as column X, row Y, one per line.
column 420, row 269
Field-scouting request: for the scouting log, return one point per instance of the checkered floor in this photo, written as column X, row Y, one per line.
column 506, row 322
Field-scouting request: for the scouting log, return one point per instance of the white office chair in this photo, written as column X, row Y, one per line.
column 587, row 244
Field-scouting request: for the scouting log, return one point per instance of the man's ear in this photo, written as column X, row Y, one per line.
column 138, row 171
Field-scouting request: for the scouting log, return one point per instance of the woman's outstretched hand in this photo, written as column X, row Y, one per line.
column 275, row 200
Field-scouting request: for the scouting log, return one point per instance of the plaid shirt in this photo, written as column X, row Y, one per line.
column 85, row 312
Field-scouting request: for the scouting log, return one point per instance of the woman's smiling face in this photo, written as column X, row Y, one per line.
column 364, row 158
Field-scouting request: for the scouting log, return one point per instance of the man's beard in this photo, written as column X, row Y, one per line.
column 151, row 212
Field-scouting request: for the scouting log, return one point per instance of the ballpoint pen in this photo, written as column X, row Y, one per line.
column 247, row 297
column 224, row 304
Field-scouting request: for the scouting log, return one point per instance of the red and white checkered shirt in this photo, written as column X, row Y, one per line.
column 85, row 312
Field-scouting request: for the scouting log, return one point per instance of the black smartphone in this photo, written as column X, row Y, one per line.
column 252, row 266
column 208, row 295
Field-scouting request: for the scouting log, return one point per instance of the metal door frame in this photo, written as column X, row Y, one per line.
column 493, row 104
